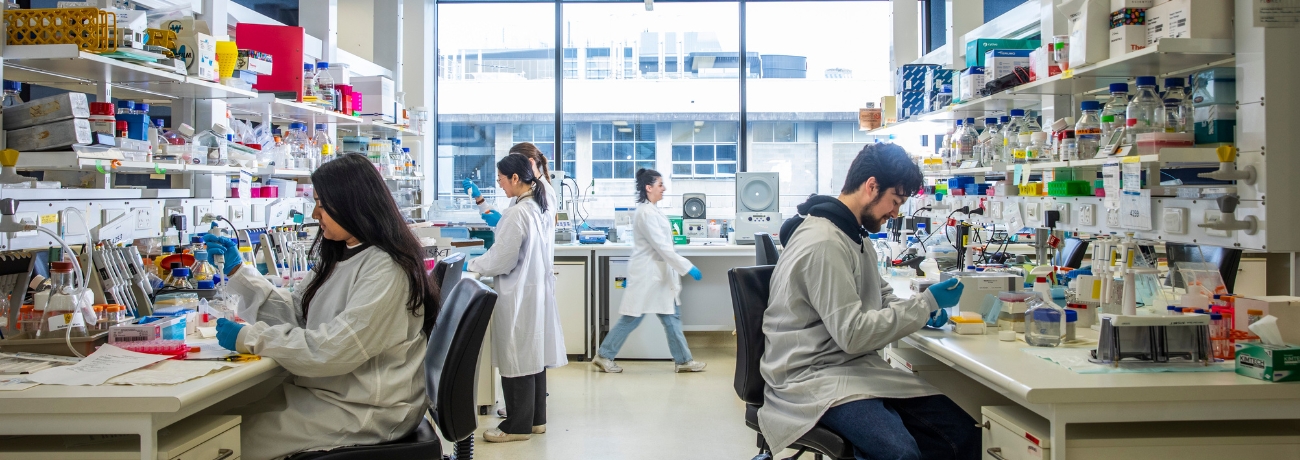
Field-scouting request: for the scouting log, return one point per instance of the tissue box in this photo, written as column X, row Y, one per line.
column 972, row 80
column 1269, row 362
column 976, row 49
column 1000, row 63
column 1089, row 25
column 936, row 78
column 1127, row 39
column 1190, row 19
column 911, row 77
column 1215, row 123
column 1211, row 87
column 1285, row 308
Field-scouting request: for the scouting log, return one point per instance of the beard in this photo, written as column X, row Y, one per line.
column 869, row 220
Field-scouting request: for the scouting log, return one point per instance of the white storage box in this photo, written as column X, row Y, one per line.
column 47, row 110
column 60, row 134
column 1127, row 39
column 197, row 437
column 971, row 82
column 999, row 63
column 1089, row 26
column 376, row 97
column 1190, row 19
column 1015, row 433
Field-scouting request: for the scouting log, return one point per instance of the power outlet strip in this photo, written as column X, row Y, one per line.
column 1087, row 215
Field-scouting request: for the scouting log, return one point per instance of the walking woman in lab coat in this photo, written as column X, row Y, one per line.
column 350, row 335
column 526, row 336
column 653, row 280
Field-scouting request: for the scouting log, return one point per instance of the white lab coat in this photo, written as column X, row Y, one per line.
column 655, row 270
column 357, row 358
column 526, row 335
column 828, row 315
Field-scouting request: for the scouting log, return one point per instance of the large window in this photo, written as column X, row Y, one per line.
column 705, row 150
column 618, row 149
column 543, row 136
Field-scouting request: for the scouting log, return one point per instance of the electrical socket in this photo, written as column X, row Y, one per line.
column 1175, row 221
column 1087, row 215
column 236, row 213
column 199, row 212
column 145, row 219
column 1112, row 217
column 1032, row 214
column 27, row 217
column 1063, row 210
column 995, row 209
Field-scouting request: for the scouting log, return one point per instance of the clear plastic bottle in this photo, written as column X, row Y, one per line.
column 1142, row 110
column 13, row 93
column 213, row 144
column 1010, row 135
column 990, row 138
column 1020, row 148
column 1176, row 112
column 966, row 141
column 324, row 85
column 1037, row 149
column 396, row 163
column 1044, row 321
column 309, row 88
column 299, row 148
column 202, row 270
column 64, row 310
column 1116, row 106
column 1069, row 147
column 321, row 139
column 1088, row 129
column 410, row 160
column 1030, row 124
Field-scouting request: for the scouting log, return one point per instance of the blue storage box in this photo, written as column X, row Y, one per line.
column 976, row 189
column 936, row 77
column 910, row 104
column 911, row 77
column 960, row 182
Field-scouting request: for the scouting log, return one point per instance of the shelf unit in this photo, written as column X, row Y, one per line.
column 69, row 161
column 66, row 67
column 1169, row 157
column 376, row 127
column 285, row 109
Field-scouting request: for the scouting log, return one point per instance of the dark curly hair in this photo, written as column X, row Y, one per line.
column 645, row 178
column 891, row 167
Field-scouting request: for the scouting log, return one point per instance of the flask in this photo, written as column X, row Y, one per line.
column 321, row 139
column 324, row 85
column 1141, row 112
column 1088, row 129
column 202, row 270
column 65, row 305
column 1176, row 111
column 1116, row 106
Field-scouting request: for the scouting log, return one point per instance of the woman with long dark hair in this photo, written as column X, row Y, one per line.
column 526, row 335
column 654, row 271
column 540, row 171
column 351, row 336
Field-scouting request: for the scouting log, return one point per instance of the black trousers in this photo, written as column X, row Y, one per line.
column 525, row 403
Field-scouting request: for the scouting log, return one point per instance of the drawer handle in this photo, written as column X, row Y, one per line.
column 985, row 425
column 223, row 454
column 996, row 452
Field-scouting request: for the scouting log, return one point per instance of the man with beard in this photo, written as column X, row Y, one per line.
column 830, row 313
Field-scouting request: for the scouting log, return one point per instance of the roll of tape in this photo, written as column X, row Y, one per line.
column 1007, row 336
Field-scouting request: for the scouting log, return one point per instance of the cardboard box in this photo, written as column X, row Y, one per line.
column 1285, row 308
column 889, row 109
column 379, row 99
column 1269, row 362
column 936, row 78
column 977, row 48
column 972, row 81
column 910, row 104
column 1190, row 19
column 1116, row 5
column 254, row 62
column 911, row 77
column 60, row 134
column 1089, row 26
column 47, row 110
column 1127, row 39
column 1003, row 62
column 201, row 56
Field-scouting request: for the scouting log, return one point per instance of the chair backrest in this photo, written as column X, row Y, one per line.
column 765, row 249
column 445, row 273
column 453, row 356
column 749, row 291
column 1071, row 253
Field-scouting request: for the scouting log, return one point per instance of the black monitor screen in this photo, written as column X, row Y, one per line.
column 1225, row 259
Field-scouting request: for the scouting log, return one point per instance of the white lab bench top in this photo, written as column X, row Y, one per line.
column 625, row 249
column 120, row 409
column 1064, row 397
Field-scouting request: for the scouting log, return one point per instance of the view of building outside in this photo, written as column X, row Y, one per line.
column 660, row 89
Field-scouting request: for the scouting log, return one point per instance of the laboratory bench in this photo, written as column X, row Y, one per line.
column 119, row 409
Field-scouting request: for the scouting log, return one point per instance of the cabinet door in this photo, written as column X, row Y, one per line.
column 1252, row 278
column 571, row 300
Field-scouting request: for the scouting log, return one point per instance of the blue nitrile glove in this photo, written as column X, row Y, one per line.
column 228, row 333
column 1079, row 271
column 227, row 248
column 947, row 293
column 492, row 217
column 938, row 319
column 471, row 189
column 695, row 273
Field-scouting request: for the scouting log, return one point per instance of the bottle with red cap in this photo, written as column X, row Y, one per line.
column 102, row 119
column 62, row 315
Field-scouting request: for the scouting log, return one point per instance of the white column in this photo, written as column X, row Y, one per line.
column 1054, row 23
column 963, row 16
column 905, row 27
column 419, row 69
column 387, row 41
column 320, row 19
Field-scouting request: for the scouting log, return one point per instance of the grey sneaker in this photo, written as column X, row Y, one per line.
column 496, row 435
column 606, row 365
column 539, row 429
column 691, row 366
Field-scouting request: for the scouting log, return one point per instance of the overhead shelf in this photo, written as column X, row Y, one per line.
column 1180, row 157
column 290, row 110
column 1168, row 56
column 910, row 128
column 377, row 127
column 66, row 67
column 997, row 104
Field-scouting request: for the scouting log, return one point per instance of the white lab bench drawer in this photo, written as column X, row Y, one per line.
column 199, row 437
column 1015, row 433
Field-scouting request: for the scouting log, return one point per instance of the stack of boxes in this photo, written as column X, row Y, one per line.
column 911, row 88
column 1128, row 25
column 1211, row 19
column 55, row 122
column 938, row 88
column 1214, row 98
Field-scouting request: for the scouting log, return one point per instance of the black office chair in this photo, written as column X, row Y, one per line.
column 446, row 273
column 749, row 292
column 450, row 361
column 765, row 250
column 1071, row 253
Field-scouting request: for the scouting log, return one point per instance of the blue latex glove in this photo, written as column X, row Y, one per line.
column 471, row 189
column 227, row 333
column 227, row 248
column 492, row 217
column 1079, row 271
column 947, row 293
column 938, row 319
column 695, row 273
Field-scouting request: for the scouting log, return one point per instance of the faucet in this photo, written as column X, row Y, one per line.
column 1228, row 220
column 8, row 224
column 1228, row 169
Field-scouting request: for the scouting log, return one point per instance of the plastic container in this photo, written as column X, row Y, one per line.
column 966, row 140
column 1141, row 114
column 1044, row 324
column 1088, row 129
column 1010, row 132
column 1071, row 323
column 1037, row 150
column 177, row 349
column 102, row 119
column 1069, row 147
column 1176, row 112
column 63, row 312
column 1116, row 106
column 321, row 140
column 1021, row 147
column 1252, row 316
column 325, row 85
column 1152, row 143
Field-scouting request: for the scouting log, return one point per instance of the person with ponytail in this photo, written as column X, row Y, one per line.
column 540, row 170
column 654, row 285
column 526, row 335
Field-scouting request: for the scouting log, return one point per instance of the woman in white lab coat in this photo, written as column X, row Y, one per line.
column 351, row 335
column 540, row 170
column 653, row 280
column 526, row 335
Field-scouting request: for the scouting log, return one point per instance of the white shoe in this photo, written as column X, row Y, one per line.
column 496, row 435
column 691, row 366
column 606, row 365
column 539, row 429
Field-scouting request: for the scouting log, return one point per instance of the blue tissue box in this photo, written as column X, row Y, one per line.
column 910, row 104
column 911, row 77
column 936, row 77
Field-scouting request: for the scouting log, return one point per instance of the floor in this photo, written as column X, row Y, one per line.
column 646, row 412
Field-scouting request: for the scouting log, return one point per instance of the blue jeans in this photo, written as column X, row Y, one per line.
column 626, row 324
column 929, row 427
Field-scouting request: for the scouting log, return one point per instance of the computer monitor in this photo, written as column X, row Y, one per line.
column 1226, row 259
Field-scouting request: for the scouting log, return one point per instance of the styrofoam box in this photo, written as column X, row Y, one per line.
column 1127, row 39
column 47, row 110
column 1190, row 19
column 55, row 135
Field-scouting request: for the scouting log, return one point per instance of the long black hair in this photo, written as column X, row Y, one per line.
column 354, row 195
column 645, row 178
column 518, row 164
column 531, row 151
